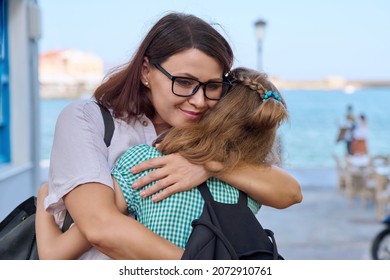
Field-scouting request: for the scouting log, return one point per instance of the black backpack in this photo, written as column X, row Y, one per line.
column 17, row 230
column 229, row 232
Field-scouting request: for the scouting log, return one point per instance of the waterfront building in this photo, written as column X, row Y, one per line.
column 20, row 31
column 68, row 73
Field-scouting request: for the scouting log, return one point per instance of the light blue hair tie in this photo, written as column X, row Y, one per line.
column 272, row 94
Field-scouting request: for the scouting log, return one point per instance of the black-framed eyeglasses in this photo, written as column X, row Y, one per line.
column 184, row 86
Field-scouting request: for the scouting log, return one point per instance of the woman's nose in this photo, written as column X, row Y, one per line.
column 199, row 98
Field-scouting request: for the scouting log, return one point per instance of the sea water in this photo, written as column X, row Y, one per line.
column 309, row 137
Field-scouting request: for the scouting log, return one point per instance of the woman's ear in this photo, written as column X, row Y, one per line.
column 145, row 69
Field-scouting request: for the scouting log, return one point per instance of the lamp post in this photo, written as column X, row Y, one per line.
column 260, row 27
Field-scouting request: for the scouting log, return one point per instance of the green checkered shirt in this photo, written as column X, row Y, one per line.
column 172, row 217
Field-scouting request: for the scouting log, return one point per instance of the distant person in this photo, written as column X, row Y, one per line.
column 350, row 111
column 347, row 129
column 142, row 96
column 360, row 137
column 349, row 126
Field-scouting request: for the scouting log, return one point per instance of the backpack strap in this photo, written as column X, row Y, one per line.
column 217, row 231
column 205, row 192
column 68, row 221
column 207, row 196
column 242, row 198
column 109, row 126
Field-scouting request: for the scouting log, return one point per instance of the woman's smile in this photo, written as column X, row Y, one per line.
column 193, row 115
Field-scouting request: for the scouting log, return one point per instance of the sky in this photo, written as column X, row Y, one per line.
column 303, row 40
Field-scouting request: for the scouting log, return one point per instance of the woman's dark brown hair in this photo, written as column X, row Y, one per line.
column 123, row 91
column 239, row 128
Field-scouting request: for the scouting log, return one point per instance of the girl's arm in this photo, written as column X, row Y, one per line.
column 92, row 207
column 54, row 244
column 271, row 186
column 51, row 241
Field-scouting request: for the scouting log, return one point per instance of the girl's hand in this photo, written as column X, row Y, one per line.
column 174, row 174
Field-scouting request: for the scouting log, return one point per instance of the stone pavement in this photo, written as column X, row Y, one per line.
column 326, row 225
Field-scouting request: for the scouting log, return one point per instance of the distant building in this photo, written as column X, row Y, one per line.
column 69, row 73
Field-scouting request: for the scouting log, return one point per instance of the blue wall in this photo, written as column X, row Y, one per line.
column 4, row 86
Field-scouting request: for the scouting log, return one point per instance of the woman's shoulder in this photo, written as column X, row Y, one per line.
column 79, row 115
column 80, row 109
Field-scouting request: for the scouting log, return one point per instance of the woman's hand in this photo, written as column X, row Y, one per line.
column 173, row 174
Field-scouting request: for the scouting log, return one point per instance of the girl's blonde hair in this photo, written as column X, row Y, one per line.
column 239, row 128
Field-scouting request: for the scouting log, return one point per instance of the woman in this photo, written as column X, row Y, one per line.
column 225, row 134
column 360, row 136
column 142, row 102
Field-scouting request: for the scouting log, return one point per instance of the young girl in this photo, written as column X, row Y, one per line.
column 240, row 129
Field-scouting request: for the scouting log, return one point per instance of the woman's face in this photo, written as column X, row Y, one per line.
column 173, row 110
